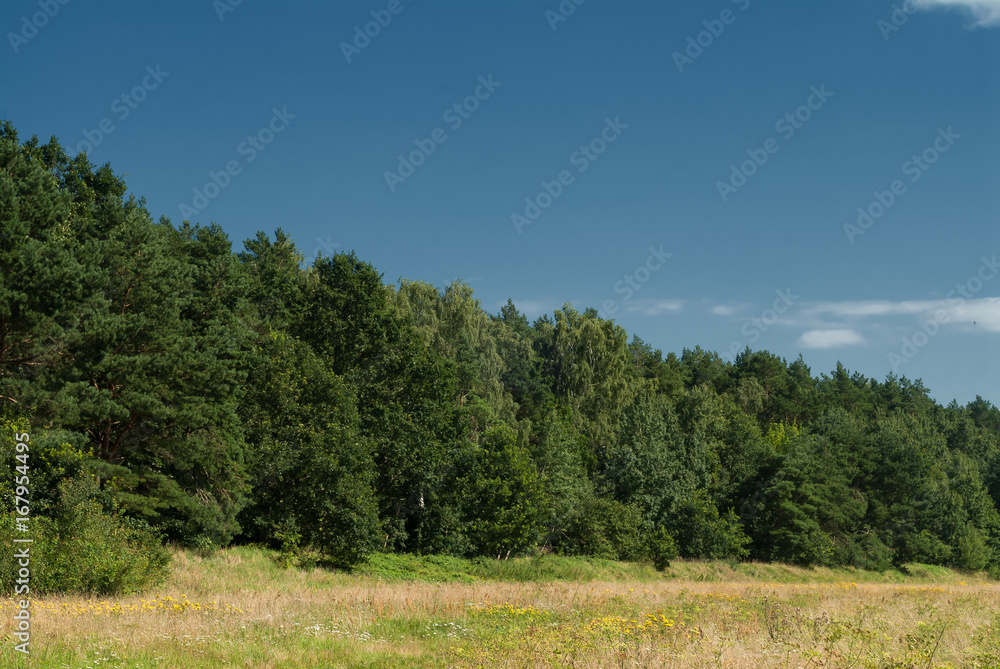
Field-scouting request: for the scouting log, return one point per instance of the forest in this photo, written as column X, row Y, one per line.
column 180, row 390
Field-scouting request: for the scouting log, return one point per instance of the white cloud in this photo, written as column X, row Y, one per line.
column 862, row 308
column 731, row 308
column 984, row 312
column 830, row 339
column 985, row 12
column 651, row 307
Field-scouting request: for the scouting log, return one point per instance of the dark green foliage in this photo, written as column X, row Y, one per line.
column 81, row 549
column 702, row 532
column 404, row 393
column 275, row 281
column 53, row 456
column 606, row 528
column 864, row 551
column 971, row 549
column 310, row 469
column 127, row 332
column 522, row 365
column 653, row 466
column 662, row 547
column 666, row 376
column 502, row 497
column 215, row 396
column 811, row 503
column 558, row 455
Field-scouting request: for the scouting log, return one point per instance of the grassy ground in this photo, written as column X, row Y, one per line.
column 238, row 608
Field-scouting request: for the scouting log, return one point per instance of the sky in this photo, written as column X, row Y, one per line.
column 815, row 178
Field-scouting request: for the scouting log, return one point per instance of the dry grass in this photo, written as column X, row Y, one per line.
column 238, row 609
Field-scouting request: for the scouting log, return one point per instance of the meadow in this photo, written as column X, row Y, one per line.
column 239, row 607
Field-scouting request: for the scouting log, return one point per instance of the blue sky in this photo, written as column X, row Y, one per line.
column 686, row 167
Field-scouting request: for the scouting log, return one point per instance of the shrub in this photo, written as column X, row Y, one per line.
column 82, row 549
column 701, row 532
column 923, row 548
column 605, row 528
column 973, row 553
column 866, row 551
column 662, row 547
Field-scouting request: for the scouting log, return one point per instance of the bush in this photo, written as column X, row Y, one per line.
column 83, row 549
column 973, row 553
column 605, row 528
column 865, row 551
column 701, row 532
column 55, row 455
column 662, row 547
column 923, row 548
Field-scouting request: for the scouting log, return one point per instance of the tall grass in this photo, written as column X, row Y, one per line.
column 239, row 607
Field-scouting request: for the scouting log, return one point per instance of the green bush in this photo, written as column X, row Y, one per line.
column 701, row 532
column 973, row 553
column 865, row 551
column 924, row 548
column 605, row 528
column 83, row 549
column 662, row 547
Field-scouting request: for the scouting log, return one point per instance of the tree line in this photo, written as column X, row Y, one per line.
column 208, row 396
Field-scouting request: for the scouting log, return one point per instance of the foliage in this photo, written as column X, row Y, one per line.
column 311, row 470
column 503, row 500
column 662, row 547
column 82, row 549
column 219, row 396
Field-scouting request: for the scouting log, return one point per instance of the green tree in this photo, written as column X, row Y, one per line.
column 454, row 324
column 275, row 280
column 812, row 505
column 504, row 502
column 148, row 365
column 311, row 471
column 404, row 394
column 701, row 531
column 654, row 465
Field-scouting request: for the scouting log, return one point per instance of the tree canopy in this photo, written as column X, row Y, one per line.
column 222, row 395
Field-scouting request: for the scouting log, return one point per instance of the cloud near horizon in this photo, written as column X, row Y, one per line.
column 654, row 307
column 830, row 339
column 984, row 312
column 985, row 12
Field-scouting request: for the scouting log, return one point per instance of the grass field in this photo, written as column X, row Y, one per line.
column 239, row 608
